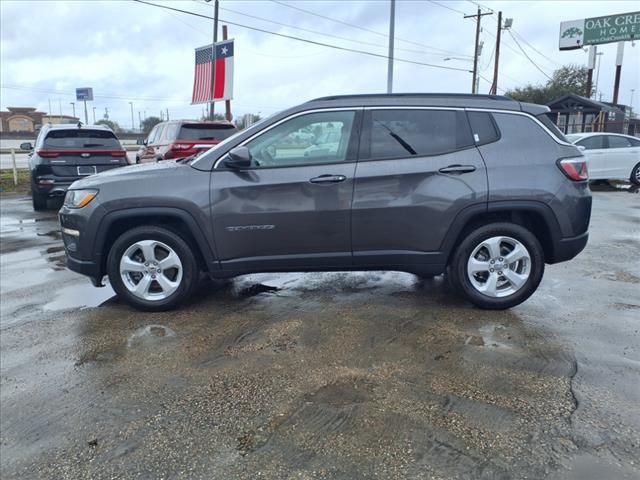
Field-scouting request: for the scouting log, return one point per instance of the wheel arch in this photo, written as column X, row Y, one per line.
column 177, row 220
column 537, row 217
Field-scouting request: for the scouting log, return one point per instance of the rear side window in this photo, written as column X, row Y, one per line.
column 619, row 142
column 406, row 133
column 546, row 121
column 592, row 143
column 205, row 132
column 81, row 138
column 483, row 127
column 634, row 142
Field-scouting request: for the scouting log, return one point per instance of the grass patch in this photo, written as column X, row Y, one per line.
column 7, row 185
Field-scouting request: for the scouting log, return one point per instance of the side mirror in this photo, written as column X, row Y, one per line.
column 581, row 148
column 26, row 146
column 238, row 158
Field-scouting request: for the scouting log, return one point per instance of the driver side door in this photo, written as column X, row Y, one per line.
column 292, row 208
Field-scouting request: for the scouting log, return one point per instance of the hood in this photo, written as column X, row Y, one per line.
column 142, row 172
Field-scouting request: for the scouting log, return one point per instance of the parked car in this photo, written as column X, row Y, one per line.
column 610, row 156
column 483, row 186
column 182, row 138
column 66, row 152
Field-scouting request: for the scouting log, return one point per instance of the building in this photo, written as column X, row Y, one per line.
column 575, row 114
column 28, row 120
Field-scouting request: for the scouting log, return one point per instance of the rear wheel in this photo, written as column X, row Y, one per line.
column 498, row 266
column 152, row 268
column 635, row 175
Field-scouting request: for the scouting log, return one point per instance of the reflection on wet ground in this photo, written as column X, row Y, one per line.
column 335, row 375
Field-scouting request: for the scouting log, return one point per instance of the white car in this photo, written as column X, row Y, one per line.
column 610, row 156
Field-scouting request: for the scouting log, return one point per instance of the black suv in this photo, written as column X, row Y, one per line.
column 64, row 153
column 483, row 186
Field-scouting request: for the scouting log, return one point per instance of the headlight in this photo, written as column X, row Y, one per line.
column 79, row 198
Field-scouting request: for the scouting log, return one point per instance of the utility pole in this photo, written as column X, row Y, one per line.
column 94, row 115
column 73, row 106
column 213, row 55
column 507, row 24
column 167, row 109
column 599, row 58
column 392, row 21
column 478, row 17
column 133, row 125
column 139, row 120
column 227, row 103
column 593, row 50
column 616, row 84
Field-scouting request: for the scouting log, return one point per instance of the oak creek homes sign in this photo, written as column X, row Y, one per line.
column 597, row 30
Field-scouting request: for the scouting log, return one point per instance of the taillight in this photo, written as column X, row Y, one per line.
column 119, row 153
column 575, row 168
column 47, row 154
column 181, row 146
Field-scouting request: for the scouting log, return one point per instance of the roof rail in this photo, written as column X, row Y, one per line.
column 412, row 95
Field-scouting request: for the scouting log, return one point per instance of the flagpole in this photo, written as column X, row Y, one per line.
column 227, row 103
column 213, row 55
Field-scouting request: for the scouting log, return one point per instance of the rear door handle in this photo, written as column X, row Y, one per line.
column 328, row 179
column 458, row 169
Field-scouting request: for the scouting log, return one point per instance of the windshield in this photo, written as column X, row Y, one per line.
column 206, row 132
column 81, row 138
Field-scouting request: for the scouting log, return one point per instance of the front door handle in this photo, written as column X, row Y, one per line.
column 328, row 179
column 458, row 169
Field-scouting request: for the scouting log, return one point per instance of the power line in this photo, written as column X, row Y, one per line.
column 364, row 29
column 528, row 57
column 313, row 42
column 316, row 32
column 447, row 7
column 534, row 48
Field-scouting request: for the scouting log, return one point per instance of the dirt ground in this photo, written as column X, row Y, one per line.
column 332, row 375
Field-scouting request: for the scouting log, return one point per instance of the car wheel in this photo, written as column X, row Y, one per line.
column 39, row 201
column 137, row 159
column 635, row 175
column 152, row 268
column 498, row 266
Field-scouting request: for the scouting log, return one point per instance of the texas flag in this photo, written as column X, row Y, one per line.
column 223, row 66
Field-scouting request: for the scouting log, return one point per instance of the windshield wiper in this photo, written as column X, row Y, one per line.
column 207, row 138
column 398, row 139
column 87, row 145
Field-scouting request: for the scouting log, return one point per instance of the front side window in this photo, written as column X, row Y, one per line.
column 591, row 143
column 406, row 133
column 321, row 137
column 618, row 142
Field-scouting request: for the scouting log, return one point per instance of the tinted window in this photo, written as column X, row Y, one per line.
column 159, row 133
column 170, row 132
column 206, row 132
column 321, row 137
column 591, row 143
column 634, row 142
column 152, row 135
column 81, row 138
column 618, row 142
column 483, row 128
column 404, row 133
column 546, row 121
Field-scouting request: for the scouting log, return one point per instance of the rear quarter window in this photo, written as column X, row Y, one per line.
column 483, row 127
column 81, row 139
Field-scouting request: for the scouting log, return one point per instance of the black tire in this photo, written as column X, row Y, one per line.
column 635, row 175
column 190, row 270
column 39, row 201
column 458, row 266
column 137, row 159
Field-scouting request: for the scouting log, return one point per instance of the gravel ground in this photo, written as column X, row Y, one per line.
column 332, row 375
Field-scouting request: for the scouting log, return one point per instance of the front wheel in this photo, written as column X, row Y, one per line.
column 152, row 268
column 635, row 175
column 498, row 266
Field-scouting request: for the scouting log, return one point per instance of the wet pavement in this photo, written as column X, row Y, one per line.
column 333, row 375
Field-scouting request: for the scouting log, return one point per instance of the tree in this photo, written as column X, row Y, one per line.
column 148, row 123
column 247, row 120
column 567, row 79
column 109, row 123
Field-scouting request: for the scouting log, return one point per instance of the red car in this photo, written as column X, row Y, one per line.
column 182, row 138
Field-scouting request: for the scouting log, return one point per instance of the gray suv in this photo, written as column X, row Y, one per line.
column 483, row 187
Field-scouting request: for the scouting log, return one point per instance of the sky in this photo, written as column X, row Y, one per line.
column 132, row 52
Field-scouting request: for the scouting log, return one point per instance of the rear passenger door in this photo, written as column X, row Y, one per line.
column 418, row 168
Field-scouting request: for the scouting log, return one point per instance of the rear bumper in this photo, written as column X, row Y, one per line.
column 568, row 248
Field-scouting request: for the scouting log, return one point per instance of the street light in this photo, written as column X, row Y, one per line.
column 73, row 105
column 599, row 54
column 94, row 115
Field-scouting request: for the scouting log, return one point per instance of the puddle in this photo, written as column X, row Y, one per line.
column 151, row 334
column 80, row 296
